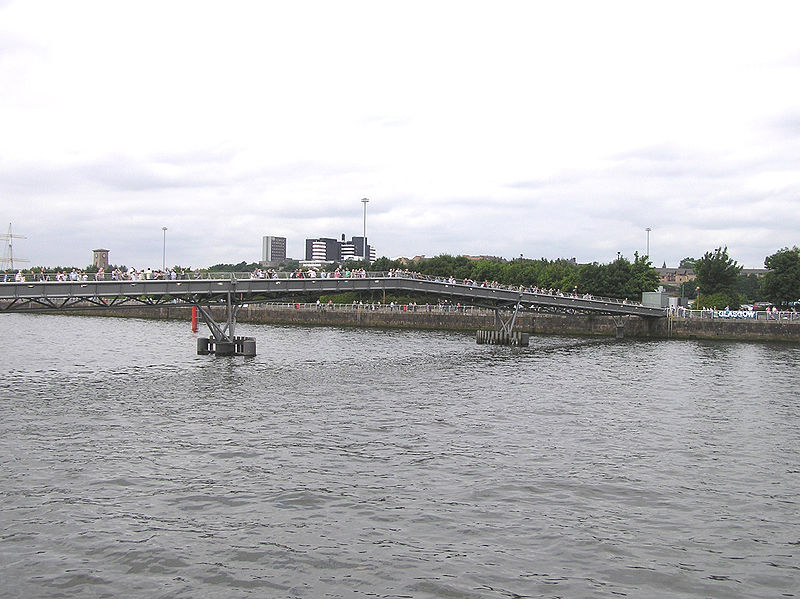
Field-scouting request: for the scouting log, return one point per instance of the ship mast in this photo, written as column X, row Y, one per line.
column 8, row 255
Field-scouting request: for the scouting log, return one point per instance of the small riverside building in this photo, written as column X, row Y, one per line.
column 100, row 259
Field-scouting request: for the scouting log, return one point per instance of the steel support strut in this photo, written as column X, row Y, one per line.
column 503, row 333
column 220, row 333
column 224, row 342
column 507, row 325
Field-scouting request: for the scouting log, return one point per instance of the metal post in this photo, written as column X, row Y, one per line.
column 231, row 317
column 164, row 252
column 365, row 201
column 648, row 229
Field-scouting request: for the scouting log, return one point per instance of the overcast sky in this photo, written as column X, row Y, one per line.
column 547, row 129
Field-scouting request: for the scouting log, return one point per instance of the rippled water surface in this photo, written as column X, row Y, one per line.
column 367, row 463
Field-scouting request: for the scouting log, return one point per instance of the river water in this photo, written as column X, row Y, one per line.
column 370, row 463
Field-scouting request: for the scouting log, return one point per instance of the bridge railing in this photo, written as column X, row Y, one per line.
column 74, row 276
column 68, row 276
column 379, row 307
column 516, row 288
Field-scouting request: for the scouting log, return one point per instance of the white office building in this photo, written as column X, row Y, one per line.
column 273, row 249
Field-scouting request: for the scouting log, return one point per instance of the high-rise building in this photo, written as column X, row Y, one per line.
column 326, row 249
column 273, row 249
column 358, row 246
column 348, row 250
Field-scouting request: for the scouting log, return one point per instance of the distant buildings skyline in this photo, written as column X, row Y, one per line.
column 328, row 249
column 320, row 249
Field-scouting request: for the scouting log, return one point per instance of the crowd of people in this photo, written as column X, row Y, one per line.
column 132, row 274
column 491, row 285
column 361, row 273
column 310, row 273
column 148, row 274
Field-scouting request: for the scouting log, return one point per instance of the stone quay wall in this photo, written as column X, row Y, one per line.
column 532, row 323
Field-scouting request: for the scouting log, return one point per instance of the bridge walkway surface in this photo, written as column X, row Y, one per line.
column 234, row 291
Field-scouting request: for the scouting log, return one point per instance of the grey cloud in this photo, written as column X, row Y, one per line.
column 672, row 162
column 787, row 125
column 207, row 170
column 129, row 175
column 12, row 45
column 558, row 179
column 388, row 121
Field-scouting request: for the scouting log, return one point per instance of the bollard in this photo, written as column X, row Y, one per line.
column 249, row 346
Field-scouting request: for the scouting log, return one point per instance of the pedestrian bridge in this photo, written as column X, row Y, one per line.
column 235, row 290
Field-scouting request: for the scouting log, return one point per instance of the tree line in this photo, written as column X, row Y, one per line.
column 720, row 282
column 621, row 278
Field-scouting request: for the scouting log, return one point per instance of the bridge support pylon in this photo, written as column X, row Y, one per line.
column 222, row 341
column 503, row 333
column 620, row 324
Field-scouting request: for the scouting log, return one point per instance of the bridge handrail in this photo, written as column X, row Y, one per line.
column 217, row 275
column 763, row 316
column 519, row 288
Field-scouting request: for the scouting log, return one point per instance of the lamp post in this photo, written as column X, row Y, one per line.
column 648, row 229
column 164, row 251
column 365, row 201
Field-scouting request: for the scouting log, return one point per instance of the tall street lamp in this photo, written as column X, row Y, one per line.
column 365, row 201
column 648, row 229
column 164, row 251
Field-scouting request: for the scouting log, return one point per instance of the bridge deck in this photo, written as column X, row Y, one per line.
column 49, row 295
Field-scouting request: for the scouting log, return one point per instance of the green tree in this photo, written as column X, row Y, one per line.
column 592, row 279
column 781, row 284
column 289, row 265
column 446, row 265
column 488, row 270
column 749, row 287
column 643, row 276
column 688, row 263
column 560, row 274
column 240, row 267
column 620, row 278
column 717, row 301
column 384, row 264
column 717, row 272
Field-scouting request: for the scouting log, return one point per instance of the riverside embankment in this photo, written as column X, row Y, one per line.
column 535, row 323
